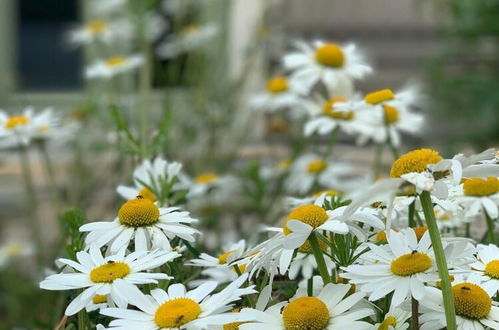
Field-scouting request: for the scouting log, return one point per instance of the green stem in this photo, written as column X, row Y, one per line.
column 377, row 160
column 319, row 257
column 415, row 314
column 49, row 168
column 438, row 249
column 310, row 286
column 144, row 94
column 412, row 209
column 393, row 148
column 490, row 228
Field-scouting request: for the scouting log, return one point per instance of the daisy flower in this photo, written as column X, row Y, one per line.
column 206, row 181
column 480, row 194
column 403, row 267
column 141, row 220
column 330, row 309
column 178, row 308
column 487, row 266
column 150, row 179
column 395, row 319
column 102, row 31
column 188, row 39
column 309, row 170
column 106, row 7
column 334, row 65
column 280, row 94
column 14, row 250
column 16, row 129
column 474, row 307
column 98, row 275
column 112, row 66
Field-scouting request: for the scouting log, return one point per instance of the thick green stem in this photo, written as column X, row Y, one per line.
column 490, row 228
column 415, row 314
column 319, row 257
column 438, row 249
column 310, row 286
column 412, row 209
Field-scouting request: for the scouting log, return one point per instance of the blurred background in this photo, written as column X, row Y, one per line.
column 448, row 47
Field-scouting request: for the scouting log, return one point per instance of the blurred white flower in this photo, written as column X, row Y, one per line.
column 188, row 39
column 112, row 66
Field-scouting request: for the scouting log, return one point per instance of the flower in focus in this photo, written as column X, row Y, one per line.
column 141, row 220
column 328, row 310
column 98, row 275
column 112, row 66
column 487, row 266
column 334, row 65
column 178, row 308
column 395, row 319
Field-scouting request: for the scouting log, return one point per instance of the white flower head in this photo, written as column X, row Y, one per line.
column 112, row 66
column 188, row 39
column 102, row 31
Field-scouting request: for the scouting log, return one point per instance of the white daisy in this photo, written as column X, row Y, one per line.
column 102, row 31
column 487, row 265
column 474, row 307
column 14, row 250
column 207, row 181
column 178, row 308
column 188, row 39
column 309, row 170
column 403, row 267
column 480, row 194
column 395, row 319
column 112, row 66
column 141, row 220
column 328, row 310
column 151, row 178
column 99, row 275
column 17, row 130
column 333, row 65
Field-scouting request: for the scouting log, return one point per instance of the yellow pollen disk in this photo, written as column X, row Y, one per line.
column 410, row 264
column 379, row 96
column 138, row 212
column 96, row 26
column 381, row 237
column 222, row 259
column 328, row 110
column 15, row 121
column 99, row 299
column 115, row 61
column 107, row 273
column 391, row 114
column 207, row 177
column 148, row 194
column 492, row 269
column 316, row 166
column 312, row 215
column 177, row 312
column 414, row 161
column 330, row 55
column 277, row 84
column 481, row 187
column 420, row 231
column 306, row 313
column 471, row 301
column 387, row 322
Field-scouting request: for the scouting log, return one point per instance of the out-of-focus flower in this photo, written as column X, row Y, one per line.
column 14, row 250
column 188, row 39
column 102, row 31
column 112, row 66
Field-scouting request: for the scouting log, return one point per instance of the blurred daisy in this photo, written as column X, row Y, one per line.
column 280, row 94
column 102, row 31
column 98, row 275
column 328, row 310
column 178, row 308
column 188, row 39
column 395, row 319
column 474, row 307
column 487, row 266
column 13, row 250
column 403, row 267
column 480, row 194
column 112, row 66
column 309, row 170
column 106, row 7
column 47, row 125
column 151, row 178
column 207, row 181
column 142, row 221
column 334, row 65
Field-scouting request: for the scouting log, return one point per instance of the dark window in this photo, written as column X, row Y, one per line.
column 44, row 59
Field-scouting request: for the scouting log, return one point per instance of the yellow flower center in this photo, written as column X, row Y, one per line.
column 207, row 177
column 391, row 114
column 284, row 164
column 381, row 237
column 177, row 312
column 414, row 161
column 107, row 273
column 222, row 259
column 305, row 313
column 99, row 299
column 15, row 121
column 148, row 194
column 481, row 187
column 420, row 231
column 492, row 269
column 328, row 110
column 312, row 215
column 410, row 264
column 316, row 166
column 387, row 322
column 379, row 96
column 190, row 29
column 138, row 212
column 327, row 192
column 277, row 85
column 471, row 301
column 330, row 55
column 13, row 249
column 115, row 61
column 96, row 26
